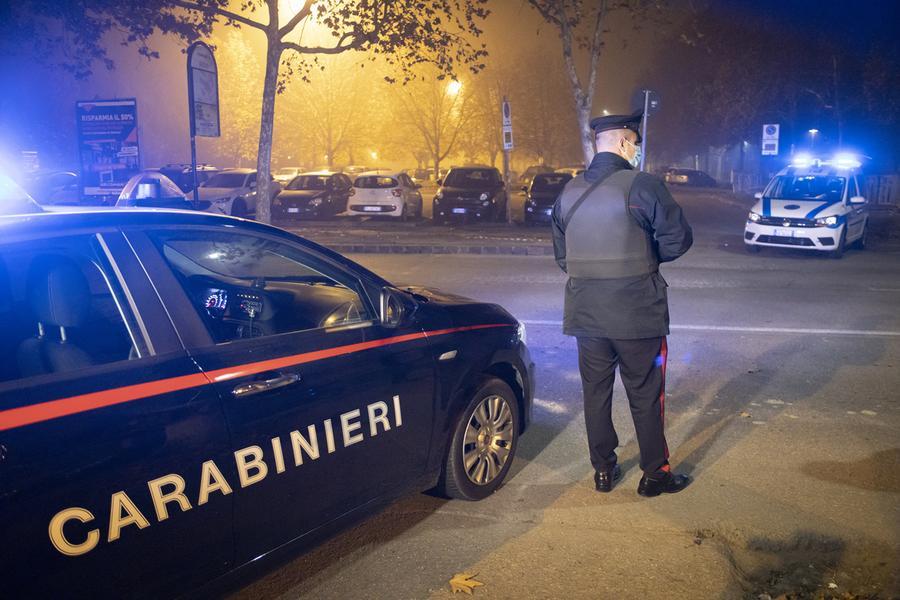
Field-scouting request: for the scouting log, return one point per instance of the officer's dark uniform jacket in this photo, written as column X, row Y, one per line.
column 611, row 250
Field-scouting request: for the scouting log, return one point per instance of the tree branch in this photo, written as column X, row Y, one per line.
column 227, row 14
column 336, row 49
column 295, row 20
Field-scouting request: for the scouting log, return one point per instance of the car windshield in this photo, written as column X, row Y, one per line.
column 308, row 182
column 14, row 200
column 807, row 187
column 225, row 180
column 375, row 182
column 471, row 178
column 554, row 182
column 287, row 172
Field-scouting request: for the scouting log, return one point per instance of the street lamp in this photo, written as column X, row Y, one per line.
column 605, row 112
column 454, row 87
column 812, row 137
column 374, row 155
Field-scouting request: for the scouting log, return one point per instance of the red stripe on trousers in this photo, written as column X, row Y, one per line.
column 664, row 355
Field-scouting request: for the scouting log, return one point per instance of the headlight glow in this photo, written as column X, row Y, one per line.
column 484, row 196
column 832, row 220
column 754, row 217
column 522, row 334
column 315, row 202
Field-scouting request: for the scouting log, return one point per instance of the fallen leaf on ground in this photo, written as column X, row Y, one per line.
column 745, row 414
column 464, row 582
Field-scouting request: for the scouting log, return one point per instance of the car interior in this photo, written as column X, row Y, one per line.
column 246, row 290
column 57, row 313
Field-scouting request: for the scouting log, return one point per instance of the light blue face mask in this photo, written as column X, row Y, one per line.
column 634, row 161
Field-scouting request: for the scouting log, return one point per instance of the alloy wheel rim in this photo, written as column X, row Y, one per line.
column 488, row 439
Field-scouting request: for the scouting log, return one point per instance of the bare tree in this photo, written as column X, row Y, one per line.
column 582, row 26
column 437, row 111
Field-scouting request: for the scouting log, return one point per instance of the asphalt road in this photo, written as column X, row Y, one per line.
column 782, row 403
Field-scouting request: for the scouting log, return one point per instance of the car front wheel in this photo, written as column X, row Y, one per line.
column 484, row 443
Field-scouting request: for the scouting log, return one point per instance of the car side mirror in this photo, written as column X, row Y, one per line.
column 440, row 182
column 758, row 195
column 857, row 200
column 397, row 308
column 525, row 188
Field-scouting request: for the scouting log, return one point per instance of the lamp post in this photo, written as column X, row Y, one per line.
column 812, row 138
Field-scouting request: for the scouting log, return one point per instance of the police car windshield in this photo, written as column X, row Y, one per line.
column 550, row 182
column 807, row 187
column 308, row 182
column 471, row 178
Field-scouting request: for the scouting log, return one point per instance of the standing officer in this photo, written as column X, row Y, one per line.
column 612, row 226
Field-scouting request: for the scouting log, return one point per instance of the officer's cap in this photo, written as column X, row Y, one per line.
column 632, row 122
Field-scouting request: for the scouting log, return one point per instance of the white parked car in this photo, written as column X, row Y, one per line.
column 813, row 204
column 152, row 189
column 232, row 192
column 285, row 174
column 388, row 193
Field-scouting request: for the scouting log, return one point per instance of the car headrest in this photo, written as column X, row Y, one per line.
column 58, row 291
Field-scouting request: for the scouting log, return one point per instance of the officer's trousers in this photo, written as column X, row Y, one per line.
column 642, row 366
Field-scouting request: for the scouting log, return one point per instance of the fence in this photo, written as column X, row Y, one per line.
column 882, row 191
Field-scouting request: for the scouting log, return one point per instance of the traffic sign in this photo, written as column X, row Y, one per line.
column 507, row 115
column 770, row 135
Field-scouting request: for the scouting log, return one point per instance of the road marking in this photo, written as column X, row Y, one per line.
column 736, row 329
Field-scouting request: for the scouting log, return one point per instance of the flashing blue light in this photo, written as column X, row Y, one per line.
column 846, row 161
column 802, row 160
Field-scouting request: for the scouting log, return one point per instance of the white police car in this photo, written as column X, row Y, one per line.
column 812, row 204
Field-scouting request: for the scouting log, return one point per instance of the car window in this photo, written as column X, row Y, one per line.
column 376, row 182
column 807, row 187
column 245, row 286
column 552, row 182
column 226, row 180
column 471, row 178
column 851, row 188
column 307, row 182
column 60, row 310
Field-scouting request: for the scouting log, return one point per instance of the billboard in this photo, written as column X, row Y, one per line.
column 107, row 144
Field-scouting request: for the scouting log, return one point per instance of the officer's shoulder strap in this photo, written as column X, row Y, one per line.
column 627, row 177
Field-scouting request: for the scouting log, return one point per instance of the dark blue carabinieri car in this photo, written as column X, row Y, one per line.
column 541, row 195
column 182, row 394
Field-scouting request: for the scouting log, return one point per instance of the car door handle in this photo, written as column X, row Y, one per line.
column 255, row 387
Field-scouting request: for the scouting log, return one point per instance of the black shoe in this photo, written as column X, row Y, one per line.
column 605, row 480
column 663, row 483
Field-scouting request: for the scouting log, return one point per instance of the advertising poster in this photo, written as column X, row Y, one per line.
column 108, row 145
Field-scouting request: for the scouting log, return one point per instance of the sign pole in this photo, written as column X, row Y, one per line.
column 644, row 128
column 203, row 102
column 507, row 146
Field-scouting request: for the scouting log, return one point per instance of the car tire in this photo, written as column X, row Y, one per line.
column 752, row 248
column 486, row 437
column 838, row 252
column 239, row 208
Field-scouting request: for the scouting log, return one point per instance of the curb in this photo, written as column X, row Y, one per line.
column 429, row 249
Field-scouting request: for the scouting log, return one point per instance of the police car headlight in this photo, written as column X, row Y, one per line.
column 754, row 217
column 315, row 202
column 484, row 196
column 832, row 220
column 522, row 334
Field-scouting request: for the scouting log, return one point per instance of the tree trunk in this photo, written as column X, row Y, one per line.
column 266, row 131
column 587, row 136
